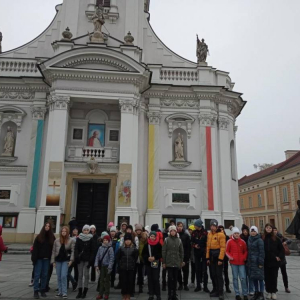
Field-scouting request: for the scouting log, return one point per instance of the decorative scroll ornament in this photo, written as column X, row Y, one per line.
column 154, row 117
column 56, row 102
column 207, row 119
column 129, row 105
column 223, row 123
column 38, row 113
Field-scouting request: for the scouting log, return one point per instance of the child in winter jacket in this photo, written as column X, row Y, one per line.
column 104, row 263
column 236, row 251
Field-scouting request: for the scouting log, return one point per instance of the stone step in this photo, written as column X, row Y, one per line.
column 15, row 249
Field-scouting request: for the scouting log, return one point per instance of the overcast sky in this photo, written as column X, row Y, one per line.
column 257, row 41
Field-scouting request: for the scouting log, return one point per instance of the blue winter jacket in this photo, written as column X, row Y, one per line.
column 109, row 258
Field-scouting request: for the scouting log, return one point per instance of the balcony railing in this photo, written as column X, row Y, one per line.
column 105, row 154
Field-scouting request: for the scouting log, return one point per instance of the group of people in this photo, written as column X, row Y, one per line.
column 140, row 252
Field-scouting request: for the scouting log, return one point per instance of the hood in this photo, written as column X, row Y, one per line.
column 0, row 229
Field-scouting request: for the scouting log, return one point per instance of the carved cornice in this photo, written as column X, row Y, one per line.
column 10, row 169
column 207, row 119
column 154, row 117
column 223, row 123
column 38, row 113
column 23, row 93
column 58, row 102
column 130, row 106
column 83, row 89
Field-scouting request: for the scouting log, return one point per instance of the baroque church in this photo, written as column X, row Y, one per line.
column 112, row 125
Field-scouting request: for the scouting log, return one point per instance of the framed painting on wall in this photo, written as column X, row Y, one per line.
column 77, row 134
column 96, row 135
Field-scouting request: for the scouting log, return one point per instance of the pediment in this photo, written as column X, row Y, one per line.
column 95, row 62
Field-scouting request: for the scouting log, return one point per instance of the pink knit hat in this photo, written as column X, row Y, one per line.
column 110, row 224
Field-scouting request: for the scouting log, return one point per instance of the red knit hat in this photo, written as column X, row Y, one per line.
column 106, row 237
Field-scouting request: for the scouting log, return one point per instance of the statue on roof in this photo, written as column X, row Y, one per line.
column 202, row 50
column 98, row 21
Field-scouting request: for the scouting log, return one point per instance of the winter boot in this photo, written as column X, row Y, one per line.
column 36, row 295
column 255, row 296
column 79, row 295
column 84, row 293
column 261, row 296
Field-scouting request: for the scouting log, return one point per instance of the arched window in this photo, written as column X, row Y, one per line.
column 232, row 160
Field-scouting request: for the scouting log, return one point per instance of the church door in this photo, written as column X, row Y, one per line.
column 92, row 205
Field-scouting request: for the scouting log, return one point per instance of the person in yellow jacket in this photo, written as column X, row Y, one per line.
column 215, row 253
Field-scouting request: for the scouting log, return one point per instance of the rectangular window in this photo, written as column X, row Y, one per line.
column 287, row 222
column 285, row 194
column 251, row 222
column 250, row 202
column 259, row 200
column 242, row 203
column 228, row 223
column 261, row 225
column 180, row 198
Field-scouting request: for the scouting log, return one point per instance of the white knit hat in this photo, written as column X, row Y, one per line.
column 113, row 228
column 235, row 230
column 147, row 228
column 86, row 227
column 92, row 226
column 254, row 228
column 172, row 227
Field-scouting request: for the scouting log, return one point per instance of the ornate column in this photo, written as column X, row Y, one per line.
column 53, row 180
column 126, row 203
column 27, row 215
column 153, row 215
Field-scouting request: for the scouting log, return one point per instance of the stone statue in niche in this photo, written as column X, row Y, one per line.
column 179, row 152
column 202, row 50
column 98, row 21
column 9, row 143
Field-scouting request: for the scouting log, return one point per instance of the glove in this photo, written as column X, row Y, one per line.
column 5, row 251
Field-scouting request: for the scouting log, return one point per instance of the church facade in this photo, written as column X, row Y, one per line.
column 113, row 126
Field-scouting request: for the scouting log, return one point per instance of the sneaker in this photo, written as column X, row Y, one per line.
column 106, row 297
column 43, row 295
column 74, row 287
column 36, row 295
column 206, row 290
column 251, row 294
column 274, row 296
column 238, row 297
column 31, row 283
column 269, row 296
column 58, row 295
column 65, row 296
column 99, row 297
column 287, row 290
column 260, row 296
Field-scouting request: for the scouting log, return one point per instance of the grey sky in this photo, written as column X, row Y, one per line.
column 257, row 41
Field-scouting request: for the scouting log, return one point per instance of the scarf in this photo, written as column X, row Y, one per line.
column 85, row 237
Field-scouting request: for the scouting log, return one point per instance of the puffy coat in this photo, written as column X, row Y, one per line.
column 41, row 250
column 70, row 247
column 172, row 252
column 156, row 250
column 256, row 257
column 109, row 258
column 2, row 246
column 236, row 251
column 216, row 240
column 84, row 250
column 199, row 240
column 186, row 243
column 273, row 249
column 127, row 257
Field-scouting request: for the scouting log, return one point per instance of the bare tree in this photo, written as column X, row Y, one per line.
column 263, row 166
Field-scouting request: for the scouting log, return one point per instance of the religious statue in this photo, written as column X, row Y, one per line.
column 98, row 21
column 294, row 227
column 9, row 143
column 179, row 156
column 202, row 50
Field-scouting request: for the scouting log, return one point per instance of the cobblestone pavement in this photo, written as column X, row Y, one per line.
column 15, row 274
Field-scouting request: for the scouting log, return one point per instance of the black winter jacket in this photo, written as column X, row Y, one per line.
column 186, row 243
column 156, row 251
column 127, row 257
column 84, row 251
column 41, row 250
column 199, row 238
column 273, row 249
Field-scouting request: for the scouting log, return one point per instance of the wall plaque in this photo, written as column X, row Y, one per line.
column 5, row 194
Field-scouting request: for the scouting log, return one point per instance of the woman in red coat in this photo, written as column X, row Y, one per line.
column 3, row 248
column 236, row 251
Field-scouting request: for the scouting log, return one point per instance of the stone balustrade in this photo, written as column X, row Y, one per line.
column 105, row 154
column 24, row 67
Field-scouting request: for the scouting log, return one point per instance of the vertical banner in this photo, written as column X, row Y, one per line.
column 54, row 183
column 124, row 185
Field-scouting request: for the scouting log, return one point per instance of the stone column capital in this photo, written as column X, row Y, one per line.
column 207, row 119
column 154, row 117
column 223, row 123
column 129, row 106
column 38, row 113
column 58, row 102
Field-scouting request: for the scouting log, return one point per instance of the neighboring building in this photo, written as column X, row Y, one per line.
column 113, row 130
column 270, row 196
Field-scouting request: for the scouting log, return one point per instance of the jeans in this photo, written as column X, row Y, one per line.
column 41, row 268
column 172, row 280
column 185, row 272
column 62, row 277
column 239, row 272
column 201, row 269
column 153, row 281
column 249, row 282
column 83, row 271
column 261, row 287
